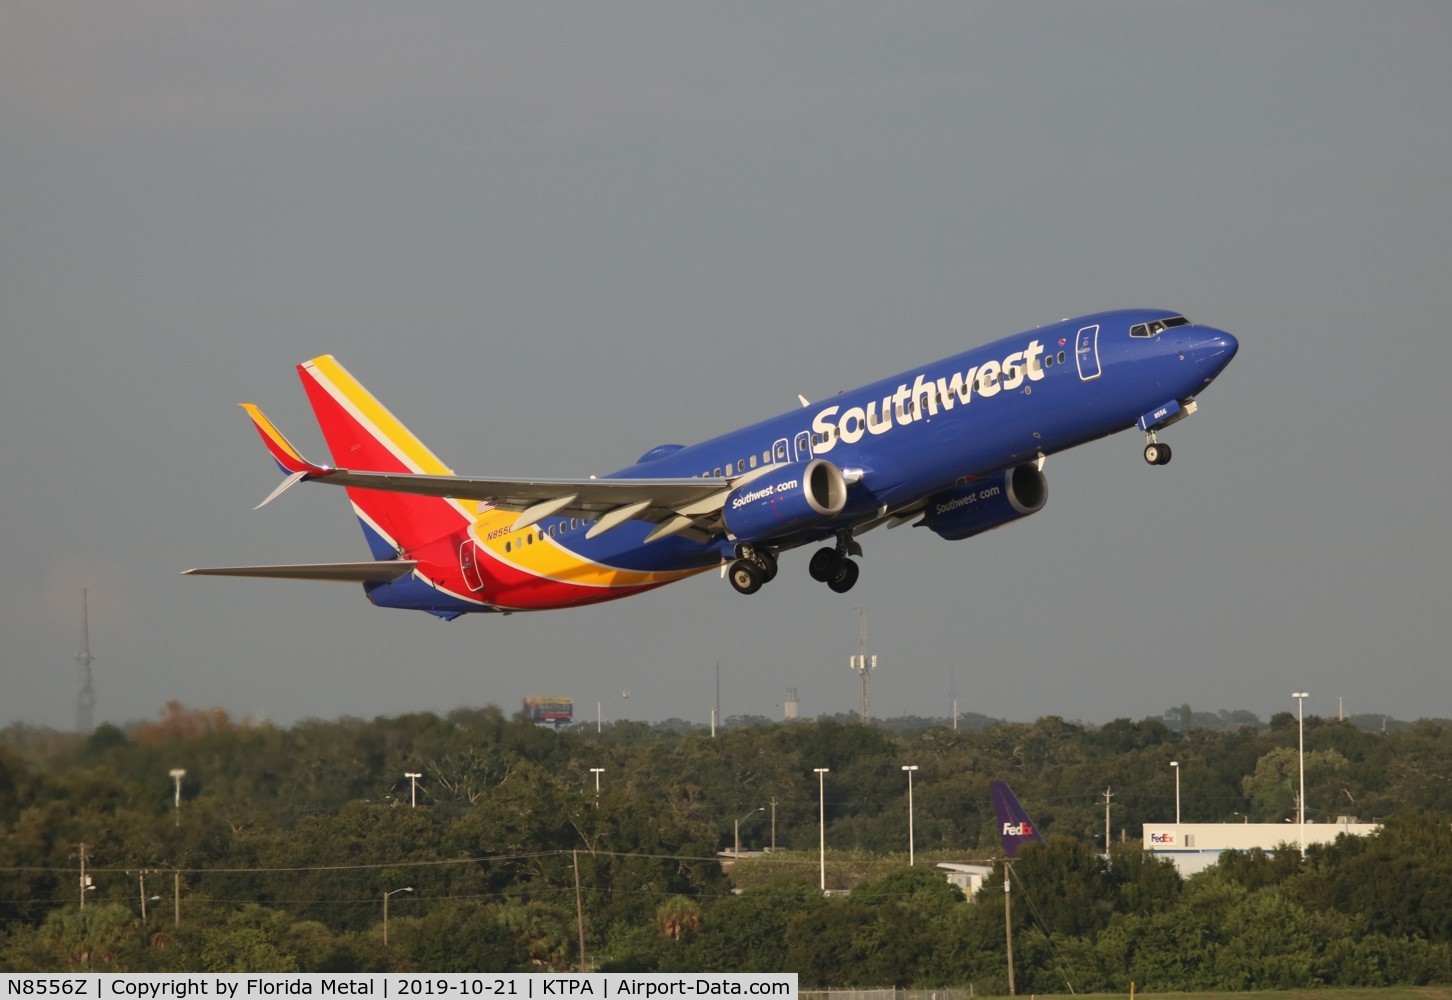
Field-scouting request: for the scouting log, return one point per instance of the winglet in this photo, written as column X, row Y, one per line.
column 278, row 446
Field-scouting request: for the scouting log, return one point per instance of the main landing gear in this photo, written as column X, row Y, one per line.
column 834, row 567
column 754, row 566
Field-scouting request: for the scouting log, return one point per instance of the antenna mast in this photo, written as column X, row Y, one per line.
column 85, row 695
column 864, row 667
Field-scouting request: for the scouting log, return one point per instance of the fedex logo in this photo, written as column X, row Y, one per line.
column 1024, row 829
column 1162, row 838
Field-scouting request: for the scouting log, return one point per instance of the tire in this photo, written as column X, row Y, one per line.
column 823, row 565
column 845, row 578
column 745, row 576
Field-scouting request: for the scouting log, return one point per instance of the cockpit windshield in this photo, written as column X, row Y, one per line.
column 1157, row 327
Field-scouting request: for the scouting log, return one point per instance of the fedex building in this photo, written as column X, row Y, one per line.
column 1193, row 847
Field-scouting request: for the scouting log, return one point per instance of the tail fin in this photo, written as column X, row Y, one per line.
column 1014, row 824
column 363, row 435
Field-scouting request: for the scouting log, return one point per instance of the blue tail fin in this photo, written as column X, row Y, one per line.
column 1014, row 824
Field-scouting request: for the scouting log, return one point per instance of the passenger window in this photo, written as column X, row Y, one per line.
column 1048, row 361
column 753, row 460
column 1061, row 357
column 740, row 466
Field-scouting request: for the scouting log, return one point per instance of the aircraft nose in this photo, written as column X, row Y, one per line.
column 1213, row 349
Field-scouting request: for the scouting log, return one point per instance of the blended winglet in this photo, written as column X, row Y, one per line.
column 288, row 458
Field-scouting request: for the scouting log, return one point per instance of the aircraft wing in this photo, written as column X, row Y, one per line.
column 673, row 505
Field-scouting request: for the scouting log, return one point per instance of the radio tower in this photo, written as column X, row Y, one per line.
column 864, row 667
column 85, row 696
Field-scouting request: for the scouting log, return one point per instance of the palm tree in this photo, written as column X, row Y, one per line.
column 677, row 915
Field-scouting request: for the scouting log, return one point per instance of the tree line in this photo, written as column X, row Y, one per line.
column 285, row 840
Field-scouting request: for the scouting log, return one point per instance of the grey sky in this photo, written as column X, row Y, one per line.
column 550, row 236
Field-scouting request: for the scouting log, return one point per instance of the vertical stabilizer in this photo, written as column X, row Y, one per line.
column 1014, row 826
column 362, row 434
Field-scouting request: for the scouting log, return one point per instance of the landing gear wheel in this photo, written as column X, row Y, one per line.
column 823, row 565
column 1157, row 454
column 845, row 578
column 768, row 566
column 746, row 576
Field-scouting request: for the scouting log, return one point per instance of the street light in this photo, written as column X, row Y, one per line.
column 407, row 888
column 597, row 772
column 822, row 821
column 1176, row 765
column 177, row 774
column 910, row 768
column 412, row 777
column 1301, row 697
column 738, row 827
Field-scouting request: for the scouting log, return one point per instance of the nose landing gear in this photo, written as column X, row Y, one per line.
column 1158, row 419
column 1156, row 453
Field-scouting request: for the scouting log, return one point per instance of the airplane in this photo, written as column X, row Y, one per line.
column 1015, row 827
column 957, row 446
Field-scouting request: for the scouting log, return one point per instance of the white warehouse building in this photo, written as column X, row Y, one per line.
column 1193, row 847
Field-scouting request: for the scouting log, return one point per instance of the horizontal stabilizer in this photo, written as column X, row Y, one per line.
column 345, row 572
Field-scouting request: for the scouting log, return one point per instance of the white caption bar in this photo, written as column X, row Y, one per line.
column 514, row 985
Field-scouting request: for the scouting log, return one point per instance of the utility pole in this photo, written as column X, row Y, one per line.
column 579, row 907
column 1107, row 796
column 85, row 879
column 861, row 664
column 1008, row 918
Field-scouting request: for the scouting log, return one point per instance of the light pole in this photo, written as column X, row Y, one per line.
column 391, row 892
column 597, row 771
column 177, row 774
column 737, row 825
column 1176, row 765
column 910, row 768
column 412, row 777
column 822, row 822
column 1301, row 697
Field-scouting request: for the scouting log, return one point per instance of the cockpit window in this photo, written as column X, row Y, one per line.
column 1157, row 327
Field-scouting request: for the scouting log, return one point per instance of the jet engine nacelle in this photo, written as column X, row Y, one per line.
column 785, row 498
column 972, row 508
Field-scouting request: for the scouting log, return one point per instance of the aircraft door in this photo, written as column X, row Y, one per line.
column 781, row 452
column 804, row 446
column 1086, row 352
column 469, row 564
